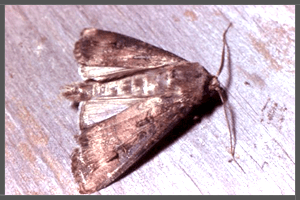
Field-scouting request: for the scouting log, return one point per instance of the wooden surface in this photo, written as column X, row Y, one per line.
column 40, row 124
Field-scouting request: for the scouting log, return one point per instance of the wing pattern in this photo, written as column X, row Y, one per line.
column 113, row 145
column 116, row 53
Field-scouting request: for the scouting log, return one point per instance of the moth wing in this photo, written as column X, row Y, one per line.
column 116, row 52
column 110, row 147
column 98, row 109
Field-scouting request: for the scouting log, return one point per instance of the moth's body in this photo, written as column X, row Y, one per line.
column 180, row 80
column 157, row 88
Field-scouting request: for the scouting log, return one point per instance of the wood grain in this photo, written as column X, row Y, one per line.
column 260, row 79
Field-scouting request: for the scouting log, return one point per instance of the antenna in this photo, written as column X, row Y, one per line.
column 232, row 135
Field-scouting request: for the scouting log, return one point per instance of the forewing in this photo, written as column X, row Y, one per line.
column 110, row 147
column 116, row 52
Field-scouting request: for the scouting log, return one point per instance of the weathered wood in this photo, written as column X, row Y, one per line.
column 40, row 125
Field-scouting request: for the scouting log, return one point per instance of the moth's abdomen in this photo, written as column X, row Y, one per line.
column 146, row 84
column 173, row 79
column 187, row 79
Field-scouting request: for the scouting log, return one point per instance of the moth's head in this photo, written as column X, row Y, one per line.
column 214, row 84
column 215, row 89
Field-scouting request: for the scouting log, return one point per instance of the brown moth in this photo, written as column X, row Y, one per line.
column 149, row 90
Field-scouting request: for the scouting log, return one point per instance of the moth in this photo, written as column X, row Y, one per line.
column 143, row 89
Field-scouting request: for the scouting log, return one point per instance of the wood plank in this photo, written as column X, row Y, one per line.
column 40, row 125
